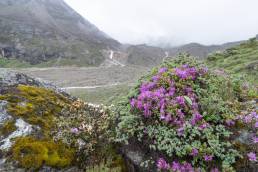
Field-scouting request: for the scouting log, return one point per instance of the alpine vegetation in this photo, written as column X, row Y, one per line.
column 189, row 118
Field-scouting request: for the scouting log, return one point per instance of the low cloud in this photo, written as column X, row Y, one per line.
column 172, row 22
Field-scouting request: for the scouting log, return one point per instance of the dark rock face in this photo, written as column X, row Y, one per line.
column 41, row 30
column 135, row 154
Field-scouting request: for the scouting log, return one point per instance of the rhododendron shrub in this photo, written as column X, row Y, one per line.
column 188, row 115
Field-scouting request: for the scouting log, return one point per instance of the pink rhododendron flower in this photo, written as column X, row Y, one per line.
column 255, row 139
column 256, row 125
column 162, row 164
column 194, row 152
column 230, row 122
column 214, row 170
column 208, row 157
column 252, row 156
column 74, row 130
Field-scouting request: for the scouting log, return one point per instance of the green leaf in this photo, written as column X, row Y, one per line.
column 188, row 100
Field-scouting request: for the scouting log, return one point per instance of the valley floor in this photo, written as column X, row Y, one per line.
column 92, row 84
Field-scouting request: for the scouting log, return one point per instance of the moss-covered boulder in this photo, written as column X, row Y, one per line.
column 185, row 117
column 45, row 129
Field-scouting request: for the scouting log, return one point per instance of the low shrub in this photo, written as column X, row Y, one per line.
column 190, row 116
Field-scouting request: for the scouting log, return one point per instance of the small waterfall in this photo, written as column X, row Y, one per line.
column 111, row 54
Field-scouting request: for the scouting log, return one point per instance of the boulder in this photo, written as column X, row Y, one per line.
column 44, row 129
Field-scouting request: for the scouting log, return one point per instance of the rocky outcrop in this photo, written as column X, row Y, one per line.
column 45, row 129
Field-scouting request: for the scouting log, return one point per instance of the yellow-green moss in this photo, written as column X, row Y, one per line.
column 32, row 153
column 37, row 106
column 8, row 127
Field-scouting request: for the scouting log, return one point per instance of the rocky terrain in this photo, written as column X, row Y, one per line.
column 44, row 129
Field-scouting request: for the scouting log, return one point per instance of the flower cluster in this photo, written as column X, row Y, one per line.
column 171, row 102
column 251, row 118
column 175, row 166
column 185, row 112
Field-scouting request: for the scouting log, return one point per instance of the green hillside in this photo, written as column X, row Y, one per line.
column 238, row 60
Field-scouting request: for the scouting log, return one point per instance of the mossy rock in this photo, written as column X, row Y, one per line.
column 32, row 153
column 8, row 127
column 46, row 129
column 35, row 105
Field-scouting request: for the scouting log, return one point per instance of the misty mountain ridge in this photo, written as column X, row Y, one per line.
column 50, row 33
column 41, row 30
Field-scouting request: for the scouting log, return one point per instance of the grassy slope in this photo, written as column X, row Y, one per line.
column 242, row 59
column 13, row 63
column 101, row 95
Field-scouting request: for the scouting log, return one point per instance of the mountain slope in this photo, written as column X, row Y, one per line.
column 145, row 55
column 37, row 31
column 199, row 50
column 241, row 59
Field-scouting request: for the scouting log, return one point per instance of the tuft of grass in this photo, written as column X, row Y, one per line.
column 101, row 95
column 13, row 63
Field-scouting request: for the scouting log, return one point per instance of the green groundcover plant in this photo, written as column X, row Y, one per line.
column 190, row 116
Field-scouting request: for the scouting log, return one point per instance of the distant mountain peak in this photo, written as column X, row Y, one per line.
column 37, row 31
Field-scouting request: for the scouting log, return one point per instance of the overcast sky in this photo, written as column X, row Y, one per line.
column 172, row 21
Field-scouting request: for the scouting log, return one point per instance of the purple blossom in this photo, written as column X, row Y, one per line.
column 214, row 170
column 204, row 70
column 194, row 152
column 187, row 167
column 196, row 117
column 188, row 90
column 139, row 105
column 133, row 102
column 168, row 118
column 185, row 72
column 74, row 130
column 256, row 125
column 180, row 131
column 163, row 69
column 254, row 115
column 162, row 164
column 180, row 100
column 252, row 156
column 171, row 91
column 248, row 119
column 203, row 126
column 156, row 78
column 162, row 117
column 208, row 157
column 180, row 113
column 195, row 106
column 147, row 86
column 181, row 73
column 230, row 122
column 255, row 139
column 176, row 166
